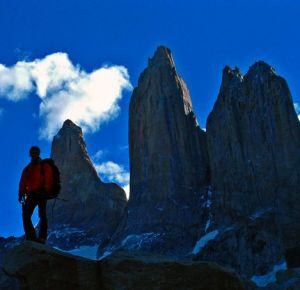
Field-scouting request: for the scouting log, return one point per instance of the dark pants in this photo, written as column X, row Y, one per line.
column 27, row 210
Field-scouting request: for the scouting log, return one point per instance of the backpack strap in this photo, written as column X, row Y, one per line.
column 42, row 168
column 42, row 173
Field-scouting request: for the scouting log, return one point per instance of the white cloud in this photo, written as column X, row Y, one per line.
column 66, row 91
column 297, row 108
column 15, row 82
column 114, row 172
column 98, row 155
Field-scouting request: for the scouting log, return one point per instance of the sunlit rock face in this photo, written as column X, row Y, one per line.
column 168, row 162
column 166, row 143
column 88, row 210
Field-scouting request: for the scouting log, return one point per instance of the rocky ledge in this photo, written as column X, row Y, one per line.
column 42, row 267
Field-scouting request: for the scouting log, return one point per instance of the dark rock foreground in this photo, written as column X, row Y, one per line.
column 41, row 267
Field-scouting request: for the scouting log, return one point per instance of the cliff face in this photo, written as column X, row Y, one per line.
column 168, row 161
column 253, row 138
column 229, row 195
column 168, row 156
column 89, row 210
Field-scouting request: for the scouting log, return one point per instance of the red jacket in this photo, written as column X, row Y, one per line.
column 35, row 178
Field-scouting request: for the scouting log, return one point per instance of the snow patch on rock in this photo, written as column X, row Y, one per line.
column 105, row 254
column 89, row 252
column 260, row 213
column 204, row 240
column 135, row 242
column 264, row 280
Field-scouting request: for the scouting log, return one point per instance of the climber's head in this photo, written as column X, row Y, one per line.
column 34, row 153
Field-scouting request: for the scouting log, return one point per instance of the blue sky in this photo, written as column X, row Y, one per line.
column 204, row 36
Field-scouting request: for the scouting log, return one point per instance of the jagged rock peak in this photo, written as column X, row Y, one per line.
column 69, row 128
column 260, row 69
column 255, row 124
column 69, row 139
column 70, row 125
column 231, row 77
column 168, row 159
column 94, row 208
column 162, row 56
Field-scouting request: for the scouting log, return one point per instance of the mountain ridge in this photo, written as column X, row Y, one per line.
column 229, row 194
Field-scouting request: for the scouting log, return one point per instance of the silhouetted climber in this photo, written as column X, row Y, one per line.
column 36, row 185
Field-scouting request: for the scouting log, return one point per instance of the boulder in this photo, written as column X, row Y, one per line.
column 6, row 244
column 41, row 267
column 146, row 271
column 8, row 283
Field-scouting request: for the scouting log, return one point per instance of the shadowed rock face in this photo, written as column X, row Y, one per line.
column 253, row 138
column 40, row 267
column 250, row 246
column 92, row 209
column 168, row 159
column 253, row 146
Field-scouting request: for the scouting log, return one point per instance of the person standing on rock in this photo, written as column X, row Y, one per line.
column 36, row 180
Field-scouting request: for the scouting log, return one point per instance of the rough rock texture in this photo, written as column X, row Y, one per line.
column 231, row 197
column 168, row 155
column 40, row 267
column 249, row 246
column 253, row 137
column 168, row 162
column 91, row 209
column 8, row 283
column 253, row 140
column 6, row 244
column 157, row 272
